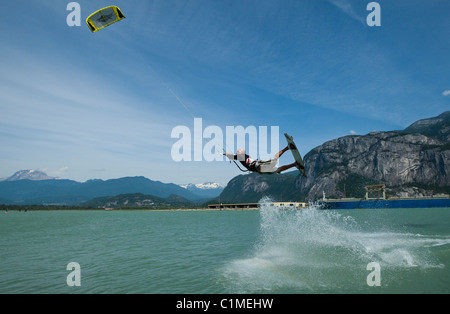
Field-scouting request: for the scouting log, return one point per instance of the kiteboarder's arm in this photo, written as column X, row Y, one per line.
column 230, row 156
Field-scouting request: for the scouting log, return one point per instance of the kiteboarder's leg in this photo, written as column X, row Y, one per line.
column 283, row 168
column 294, row 164
column 281, row 152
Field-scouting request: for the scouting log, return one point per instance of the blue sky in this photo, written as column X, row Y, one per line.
column 81, row 106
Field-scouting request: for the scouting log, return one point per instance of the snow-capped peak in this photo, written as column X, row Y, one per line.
column 29, row 174
column 203, row 186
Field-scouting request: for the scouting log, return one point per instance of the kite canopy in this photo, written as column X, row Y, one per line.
column 104, row 17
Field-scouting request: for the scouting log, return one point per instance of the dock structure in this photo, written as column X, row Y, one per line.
column 375, row 197
column 247, row 206
column 234, row 206
column 377, row 188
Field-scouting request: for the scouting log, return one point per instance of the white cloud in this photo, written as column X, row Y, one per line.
column 446, row 93
column 52, row 172
column 62, row 170
column 352, row 132
column 347, row 8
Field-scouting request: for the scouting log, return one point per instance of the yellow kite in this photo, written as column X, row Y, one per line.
column 104, row 17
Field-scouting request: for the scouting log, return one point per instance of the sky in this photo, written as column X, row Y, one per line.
column 81, row 105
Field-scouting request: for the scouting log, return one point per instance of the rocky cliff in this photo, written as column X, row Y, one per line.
column 412, row 162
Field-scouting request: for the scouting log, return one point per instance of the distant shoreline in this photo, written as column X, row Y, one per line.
column 55, row 208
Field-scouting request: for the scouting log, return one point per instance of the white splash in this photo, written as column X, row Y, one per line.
column 321, row 250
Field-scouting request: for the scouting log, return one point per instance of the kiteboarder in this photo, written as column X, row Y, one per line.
column 260, row 166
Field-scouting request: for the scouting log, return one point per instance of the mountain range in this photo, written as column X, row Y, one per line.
column 25, row 187
column 411, row 162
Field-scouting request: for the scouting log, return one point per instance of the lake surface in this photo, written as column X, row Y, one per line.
column 265, row 251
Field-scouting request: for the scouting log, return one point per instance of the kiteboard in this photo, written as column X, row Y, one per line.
column 296, row 154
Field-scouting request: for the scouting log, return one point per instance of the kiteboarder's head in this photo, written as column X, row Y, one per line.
column 240, row 154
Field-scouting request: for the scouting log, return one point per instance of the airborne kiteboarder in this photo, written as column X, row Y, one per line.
column 269, row 166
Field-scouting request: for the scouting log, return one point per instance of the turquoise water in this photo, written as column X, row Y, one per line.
column 266, row 251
